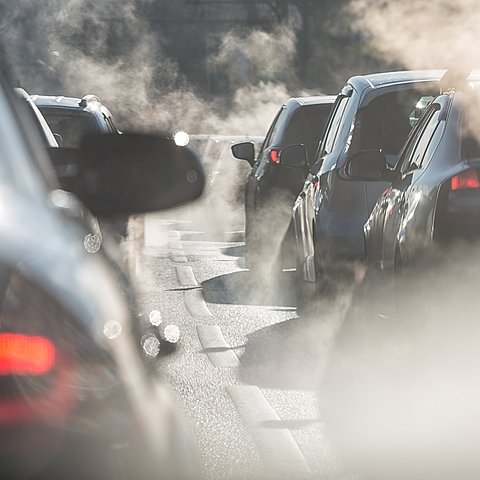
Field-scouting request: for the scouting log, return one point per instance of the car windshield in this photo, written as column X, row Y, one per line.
column 72, row 127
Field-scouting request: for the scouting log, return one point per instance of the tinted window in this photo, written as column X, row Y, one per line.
column 469, row 105
column 306, row 127
column 385, row 123
column 72, row 127
column 332, row 132
column 420, row 142
column 273, row 129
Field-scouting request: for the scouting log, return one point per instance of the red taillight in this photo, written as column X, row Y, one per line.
column 25, row 354
column 465, row 180
column 274, row 156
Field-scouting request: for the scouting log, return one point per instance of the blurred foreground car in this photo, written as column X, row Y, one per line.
column 373, row 113
column 434, row 198
column 272, row 185
column 78, row 398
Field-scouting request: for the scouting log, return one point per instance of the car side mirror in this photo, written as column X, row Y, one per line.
column 130, row 173
column 293, row 156
column 368, row 165
column 244, row 151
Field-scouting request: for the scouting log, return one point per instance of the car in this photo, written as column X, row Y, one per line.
column 372, row 113
column 272, row 186
column 73, row 118
column 434, row 196
column 79, row 397
column 406, row 348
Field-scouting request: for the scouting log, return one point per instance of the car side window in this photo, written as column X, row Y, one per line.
column 273, row 128
column 419, row 143
column 305, row 127
column 332, row 132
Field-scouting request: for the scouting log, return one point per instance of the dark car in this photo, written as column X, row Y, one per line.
column 434, row 197
column 78, row 398
column 271, row 187
column 372, row 113
column 73, row 118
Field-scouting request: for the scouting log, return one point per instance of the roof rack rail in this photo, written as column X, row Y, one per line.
column 88, row 98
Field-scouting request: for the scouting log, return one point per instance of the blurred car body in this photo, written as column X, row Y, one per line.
column 78, row 398
column 271, row 187
column 372, row 113
column 434, row 197
column 50, row 142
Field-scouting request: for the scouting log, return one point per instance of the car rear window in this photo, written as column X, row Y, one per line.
column 386, row 122
column 71, row 126
column 306, row 127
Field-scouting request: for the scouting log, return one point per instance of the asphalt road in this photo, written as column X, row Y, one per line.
column 247, row 371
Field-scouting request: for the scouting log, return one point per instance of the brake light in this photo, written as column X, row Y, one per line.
column 465, row 180
column 274, row 156
column 25, row 354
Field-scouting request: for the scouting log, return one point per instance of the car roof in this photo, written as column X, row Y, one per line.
column 314, row 100
column 87, row 103
column 376, row 80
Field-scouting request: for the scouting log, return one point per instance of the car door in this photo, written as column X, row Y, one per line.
column 407, row 193
column 304, row 209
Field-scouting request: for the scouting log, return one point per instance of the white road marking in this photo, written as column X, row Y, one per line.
column 196, row 303
column 185, row 276
column 216, row 347
column 276, row 445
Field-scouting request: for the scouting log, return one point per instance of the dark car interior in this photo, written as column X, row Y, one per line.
column 385, row 122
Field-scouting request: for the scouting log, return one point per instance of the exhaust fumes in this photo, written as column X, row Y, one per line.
column 420, row 34
column 402, row 391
